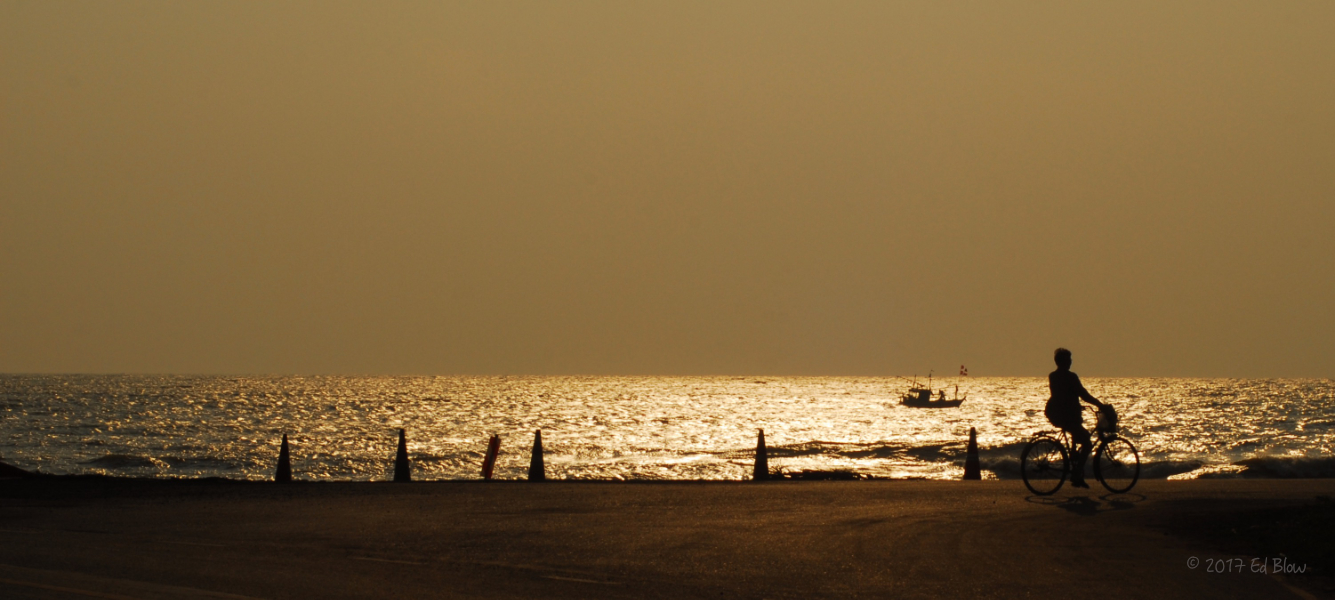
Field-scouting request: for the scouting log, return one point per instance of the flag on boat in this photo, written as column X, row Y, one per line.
column 963, row 371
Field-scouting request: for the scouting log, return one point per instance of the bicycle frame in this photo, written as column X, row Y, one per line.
column 1097, row 437
column 1063, row 437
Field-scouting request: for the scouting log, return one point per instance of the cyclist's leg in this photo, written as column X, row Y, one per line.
column 1083, row 444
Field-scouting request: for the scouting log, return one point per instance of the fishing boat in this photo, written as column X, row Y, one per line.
column 921, row 397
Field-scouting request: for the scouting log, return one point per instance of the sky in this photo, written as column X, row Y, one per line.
column 674, row 188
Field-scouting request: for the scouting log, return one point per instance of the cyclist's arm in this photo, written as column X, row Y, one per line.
column 1085, row 395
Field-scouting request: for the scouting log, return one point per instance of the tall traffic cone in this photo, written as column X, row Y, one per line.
column 971, row 469
column 536, row 470
column 284, row 472
column 761, row 471
column 489, row 463
column 402, row 470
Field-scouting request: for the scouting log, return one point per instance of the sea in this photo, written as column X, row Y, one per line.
column 637, row 428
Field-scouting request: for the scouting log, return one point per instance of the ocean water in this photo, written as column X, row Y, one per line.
column 345, row 428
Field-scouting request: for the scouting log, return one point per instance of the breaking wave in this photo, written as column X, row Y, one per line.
column 1285, row 467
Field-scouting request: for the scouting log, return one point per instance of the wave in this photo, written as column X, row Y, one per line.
column 1167, row 468
column 199, row 462
column 1285, row 467
column 1317, row 424
column 940, row 452
column 1003, row 460
column 874, row 450
column 130, row 461
column 123, row 461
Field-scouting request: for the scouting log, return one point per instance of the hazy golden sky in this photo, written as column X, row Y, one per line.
column 667, row 188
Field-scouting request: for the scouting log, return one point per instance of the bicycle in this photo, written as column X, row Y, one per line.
column 1045, row 462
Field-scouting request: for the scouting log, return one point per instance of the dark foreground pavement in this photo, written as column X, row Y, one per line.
column 105, row 538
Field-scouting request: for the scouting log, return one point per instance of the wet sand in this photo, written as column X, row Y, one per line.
column 123, row 538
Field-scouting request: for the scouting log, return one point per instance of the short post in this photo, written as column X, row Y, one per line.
column 402, row 470
column 284, row 472
column 761, row 472
column 489, row 463
column 536, row 469
column 971, row 468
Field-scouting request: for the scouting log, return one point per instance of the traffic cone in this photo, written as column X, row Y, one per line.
column 761, row 472
column 402, row 470
column 536, row 471
column 284, row 472
column 489, row 463
column 971, row 469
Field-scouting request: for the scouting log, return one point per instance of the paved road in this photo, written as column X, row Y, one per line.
column 83, row 538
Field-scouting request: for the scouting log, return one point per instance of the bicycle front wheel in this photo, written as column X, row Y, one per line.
column 1043, row 466
column 1117, row 465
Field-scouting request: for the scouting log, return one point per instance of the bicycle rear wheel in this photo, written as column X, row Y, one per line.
column 1043, row 466
column 1117, row 465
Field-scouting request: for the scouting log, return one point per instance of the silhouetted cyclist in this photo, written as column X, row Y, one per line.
column 1063, row 410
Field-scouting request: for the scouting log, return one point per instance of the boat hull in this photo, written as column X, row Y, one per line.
column 915, row 403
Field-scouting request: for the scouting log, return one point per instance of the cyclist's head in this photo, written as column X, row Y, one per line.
column 1063, row 358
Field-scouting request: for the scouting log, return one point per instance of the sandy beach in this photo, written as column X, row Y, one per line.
column 79, row 537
